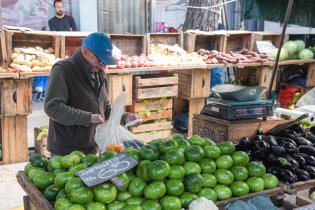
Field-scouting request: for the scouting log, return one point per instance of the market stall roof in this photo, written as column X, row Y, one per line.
column 302, row 11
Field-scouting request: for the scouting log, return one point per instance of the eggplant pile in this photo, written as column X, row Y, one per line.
column 288, row 154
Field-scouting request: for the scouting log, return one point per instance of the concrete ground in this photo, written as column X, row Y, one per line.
column 11, row 194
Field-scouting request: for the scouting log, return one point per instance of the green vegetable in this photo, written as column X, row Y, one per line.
column 136, row 187
column 62, row 204
column 207, row 166
column 135, row 201
column 240, row 173
column 155, row 190
column 224, row 162
column 168, row 145
column 226, row 148
column 73, row 184
column 193, row 183
column 194, row 153
column 151, row 205
column 270, row 181
column 209, row 180
column 43, row 180
column 174, row 187
column 170, row 203
column 95, row 206
column 256, row 169
column 208, row 193
column 283, row 54
column 223, row 192
column 192, row 168
column 186, row 198
column 81, row 195
column 105, row 193
column 174, row 157
column 291, row 47
column 239, row 188
column 240, row 158
column 51, row 192
column 177, row 172
column 197, row 140
column 255, row 184
column 212, row 152
column 300, row 45
column 158, row 170
column 306, row 54
column 37, row 160
column 224, row 176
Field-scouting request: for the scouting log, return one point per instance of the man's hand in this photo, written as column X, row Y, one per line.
column 132, row 117
column 97, row 119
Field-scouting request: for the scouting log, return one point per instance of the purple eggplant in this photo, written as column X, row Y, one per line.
column 287, row 176
column 271, row 140
column 307, row 149
column 302, row 141
column 302, row 175
column 310, row 170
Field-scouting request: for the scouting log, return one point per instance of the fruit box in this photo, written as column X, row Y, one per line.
column 222, row 130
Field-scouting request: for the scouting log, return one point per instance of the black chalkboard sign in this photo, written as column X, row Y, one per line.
column 107, row 169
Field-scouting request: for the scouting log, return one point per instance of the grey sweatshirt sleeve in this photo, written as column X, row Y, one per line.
column 56, row 99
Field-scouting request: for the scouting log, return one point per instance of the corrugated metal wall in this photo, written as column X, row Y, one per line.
column 122, row 16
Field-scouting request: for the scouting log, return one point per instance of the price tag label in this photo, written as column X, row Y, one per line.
column 106, row 170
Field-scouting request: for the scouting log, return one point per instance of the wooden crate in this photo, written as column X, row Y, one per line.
column 43, row 39
column 310, row 80
column 115, row 85
column 155, row 86
column 3, row 49
column 156, row 115
column 222, row 130
column 150, row 105
column 164, row 38
column 194, row 42
column 129, row 44
column 40, row 146
column 70, row 42
column 155, row 126
column 237, row 40
column 194, row 83
column 14, row 139
column 35, row 200
column 274, row 37
column 149, row 136
column 255, row 76
column 300, row 203
column 15, row 97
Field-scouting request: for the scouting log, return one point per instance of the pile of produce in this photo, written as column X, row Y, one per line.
column 171, row 174
column 125, row 61
column 43, row 133
column 33, row 59
column 167, row 55
column 288, row 154
column 243, row 56
column 292, row 50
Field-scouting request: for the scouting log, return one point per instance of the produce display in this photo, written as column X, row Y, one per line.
column 173, row 55
column 243, row 56
column 171, row 173
column 125, row 61
column 292, row 50
column 288, row 154
column 33, row 59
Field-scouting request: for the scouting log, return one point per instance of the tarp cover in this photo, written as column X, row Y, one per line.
column 303, row 11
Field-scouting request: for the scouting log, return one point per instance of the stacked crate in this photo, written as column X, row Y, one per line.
column 153, row 102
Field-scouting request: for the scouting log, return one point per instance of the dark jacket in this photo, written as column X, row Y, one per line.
column 66, row 23
column 69, row 102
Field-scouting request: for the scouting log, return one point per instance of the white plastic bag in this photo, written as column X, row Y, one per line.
column 111, row 132
column 307, row 99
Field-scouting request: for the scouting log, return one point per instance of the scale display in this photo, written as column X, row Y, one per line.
column 237, row 110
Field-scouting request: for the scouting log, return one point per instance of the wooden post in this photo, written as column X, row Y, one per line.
column 195, row 107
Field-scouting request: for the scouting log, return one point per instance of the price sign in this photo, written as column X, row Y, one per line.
column 107, row 169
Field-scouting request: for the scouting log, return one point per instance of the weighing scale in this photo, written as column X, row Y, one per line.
column 233, row 110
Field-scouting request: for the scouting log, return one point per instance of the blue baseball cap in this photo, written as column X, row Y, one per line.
column 101, row 46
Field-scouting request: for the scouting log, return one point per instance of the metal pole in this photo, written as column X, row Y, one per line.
column 285, row 23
